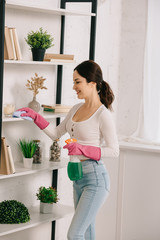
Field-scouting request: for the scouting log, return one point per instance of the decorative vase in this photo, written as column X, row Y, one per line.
column 47, row 207
column 38, row 54
column 55, row 151
column 27, row 162
column 34, row 105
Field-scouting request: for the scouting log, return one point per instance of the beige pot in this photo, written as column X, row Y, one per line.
column 47, row 207
column 27, row 162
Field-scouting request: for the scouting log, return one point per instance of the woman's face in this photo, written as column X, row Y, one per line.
column 82, row 87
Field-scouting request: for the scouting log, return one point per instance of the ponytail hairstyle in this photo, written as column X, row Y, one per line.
column 93, row 73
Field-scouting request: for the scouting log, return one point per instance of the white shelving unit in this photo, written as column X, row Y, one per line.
column 55, row 62
column 32, row 7
column 47, row 115
column 44, row 166
column 36, row 219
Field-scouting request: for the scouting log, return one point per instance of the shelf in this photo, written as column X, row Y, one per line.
column 32, row 7
column 45, row 165
column 37, row 218
column 47, row 115
column 55, row 62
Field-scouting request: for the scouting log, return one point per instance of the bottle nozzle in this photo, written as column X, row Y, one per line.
column 70, row 140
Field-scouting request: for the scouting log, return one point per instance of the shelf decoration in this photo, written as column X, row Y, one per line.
column 34, row 85
column 37, row 157
column 12, row 49
column 48, row 198
column 39, row 41
column 12, row 212
column 55, row 151
column 53, row 57
column 6, row 163
column 28, row 149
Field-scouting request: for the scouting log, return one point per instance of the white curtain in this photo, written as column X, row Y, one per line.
column 148, row 130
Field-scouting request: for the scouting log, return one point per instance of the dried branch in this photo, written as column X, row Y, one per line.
column 35, row 83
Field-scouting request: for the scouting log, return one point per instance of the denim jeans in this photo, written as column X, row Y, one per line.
column 90, row 193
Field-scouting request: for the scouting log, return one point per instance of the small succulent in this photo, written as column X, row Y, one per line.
column 47, row 195
column 12, row 211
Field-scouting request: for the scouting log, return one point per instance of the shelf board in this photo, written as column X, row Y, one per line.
column 32, row 7
column 37, row 218
column 55, row 62
column 44, row 166
column 46, row 115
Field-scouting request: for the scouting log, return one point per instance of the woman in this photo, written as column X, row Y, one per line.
column 90, row 122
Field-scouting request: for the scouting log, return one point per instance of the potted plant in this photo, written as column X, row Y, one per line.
column 12, row 211
column 39, row 41
column 48, row 198
column 34, row 85
column 28, row 149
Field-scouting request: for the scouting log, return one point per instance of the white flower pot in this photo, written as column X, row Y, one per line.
column 47, row 207
column 27, row 162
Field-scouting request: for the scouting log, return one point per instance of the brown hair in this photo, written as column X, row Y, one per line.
column 93, row 73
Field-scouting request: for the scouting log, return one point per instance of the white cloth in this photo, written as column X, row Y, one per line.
column 93, row 131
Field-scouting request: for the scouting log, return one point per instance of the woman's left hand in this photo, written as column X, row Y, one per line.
column 88, row 151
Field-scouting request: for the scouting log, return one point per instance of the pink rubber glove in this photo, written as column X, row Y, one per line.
column 38, row 119
column 88, row 151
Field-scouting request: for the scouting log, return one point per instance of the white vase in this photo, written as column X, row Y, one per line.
column 47, row 207
column 27, row 162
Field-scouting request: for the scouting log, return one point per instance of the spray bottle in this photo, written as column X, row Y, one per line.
column 74, row 167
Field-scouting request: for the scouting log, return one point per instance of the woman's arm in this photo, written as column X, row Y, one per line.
column 108, row 131
column 57, row 132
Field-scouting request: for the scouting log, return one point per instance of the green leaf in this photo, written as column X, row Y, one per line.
column 39, row 39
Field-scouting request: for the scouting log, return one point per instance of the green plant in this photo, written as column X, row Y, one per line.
column 47, row 195
column 39, row 39
column 28, row 148
column 12, row 211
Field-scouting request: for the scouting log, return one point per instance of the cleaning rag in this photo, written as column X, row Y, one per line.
column 17, row 114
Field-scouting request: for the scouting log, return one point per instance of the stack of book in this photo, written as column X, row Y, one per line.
column 12, row 49
column 57, row 108
column 6, row 163
column 49, row 57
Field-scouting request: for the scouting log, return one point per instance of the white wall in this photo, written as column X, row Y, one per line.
column 133, row 31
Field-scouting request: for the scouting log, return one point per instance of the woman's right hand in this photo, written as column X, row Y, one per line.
column 38, row 119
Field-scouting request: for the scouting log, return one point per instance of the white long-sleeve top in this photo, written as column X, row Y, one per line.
column 94, row 131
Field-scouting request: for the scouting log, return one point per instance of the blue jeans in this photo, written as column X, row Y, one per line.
column 90, row 193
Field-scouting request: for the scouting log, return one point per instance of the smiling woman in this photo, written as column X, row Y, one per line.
column 89, row 122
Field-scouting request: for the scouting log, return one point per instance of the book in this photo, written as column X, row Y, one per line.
column 62, row 110
column 9, row 49
column 12, row 43
column 4, row 164
column 58, row 56
column 11, row 162
column 5, row 50
column 58, row 60
column 16, row 44
column 57, row 106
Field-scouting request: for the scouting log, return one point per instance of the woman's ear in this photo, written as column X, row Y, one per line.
column 93, row 84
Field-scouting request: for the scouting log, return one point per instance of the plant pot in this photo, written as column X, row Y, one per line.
column 27, row 162
column 47, row 207
column 34, row 105
column 38, row 54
